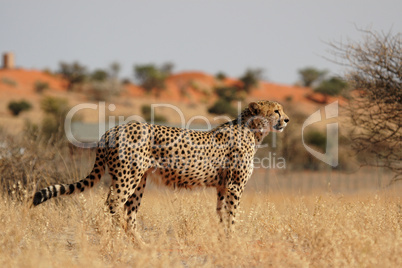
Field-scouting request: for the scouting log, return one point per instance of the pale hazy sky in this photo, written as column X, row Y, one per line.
column 210, row 35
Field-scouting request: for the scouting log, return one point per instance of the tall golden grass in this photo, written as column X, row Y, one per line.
column 181, row 230
column 326, row 219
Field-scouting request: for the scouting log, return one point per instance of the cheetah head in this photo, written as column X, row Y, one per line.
column 269, row 116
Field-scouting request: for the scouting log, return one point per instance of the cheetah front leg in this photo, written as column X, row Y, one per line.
column 235, row 186
column 233, row 195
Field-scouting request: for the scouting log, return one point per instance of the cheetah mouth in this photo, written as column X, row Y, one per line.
column 279, row 128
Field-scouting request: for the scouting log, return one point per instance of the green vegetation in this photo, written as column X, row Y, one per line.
column 99, row 85
column 311, row 76
column 152, row 77
column 319, row 82
column 41, row 86
column 316, row 139
column 251, row 79
column 221, row 106
column 53, row 123
column 99, row 75
column 227, row 95
column 220, row 76
column 332, row 86
column 8, row 81
column 51, row 129
column 74, row 73
column 146, row 111
column 230, row 94
column 16, row 107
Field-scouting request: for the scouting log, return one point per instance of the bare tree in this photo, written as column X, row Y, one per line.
column 375, row 74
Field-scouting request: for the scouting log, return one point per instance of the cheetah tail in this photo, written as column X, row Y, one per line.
column 67, row 189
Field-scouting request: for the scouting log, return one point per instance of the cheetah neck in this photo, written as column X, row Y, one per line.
column 255, row 124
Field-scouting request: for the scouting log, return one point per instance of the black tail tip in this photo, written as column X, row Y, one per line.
column 37, row 199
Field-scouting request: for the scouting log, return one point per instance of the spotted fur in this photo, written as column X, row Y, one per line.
column 179, row 158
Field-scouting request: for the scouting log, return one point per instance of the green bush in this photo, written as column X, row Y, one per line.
column 230, row 94
column 99, row 75
column 52, row 126
column 55, row 106
column 317, row 139
column 223, row 107
column 333, row 86
column 146, row 112
column 152, row 77
column 8, row 81
column 40, row 86
column 220, row 76
column 16, row 107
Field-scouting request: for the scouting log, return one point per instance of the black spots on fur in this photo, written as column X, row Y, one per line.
column 79, row 185
column 86, row 183
column 91, row 177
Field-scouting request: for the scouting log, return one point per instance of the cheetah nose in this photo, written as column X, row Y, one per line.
column 286, row 120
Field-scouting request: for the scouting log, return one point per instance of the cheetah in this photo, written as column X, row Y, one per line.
column 180, row 158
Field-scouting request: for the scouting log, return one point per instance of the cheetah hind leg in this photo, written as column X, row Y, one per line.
column 131, row 208
column 220, row 204
column 113, row 207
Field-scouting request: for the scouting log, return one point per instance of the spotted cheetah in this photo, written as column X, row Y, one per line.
column 180, row 158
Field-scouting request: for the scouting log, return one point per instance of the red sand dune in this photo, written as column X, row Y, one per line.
column 186, row 87
column 133, row 90
column 25, row 81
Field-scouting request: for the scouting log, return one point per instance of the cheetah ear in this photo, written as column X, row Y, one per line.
column 254, row 108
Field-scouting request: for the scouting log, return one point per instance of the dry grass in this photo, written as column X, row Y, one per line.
column 304, row 219
column 278, row 230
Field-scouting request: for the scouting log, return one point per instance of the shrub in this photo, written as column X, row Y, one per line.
column 40, row 86
column 16, row 107
column 52, row 127
column 99, row 75
column 8, row 81
column 54, row 106
column 220, row 76
column 146, row 112
column 251, row 79
column 223, row 107
column 317, row 139
column 332, row 86
column 74, row 73
column 230, row 94
column 152, row 77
